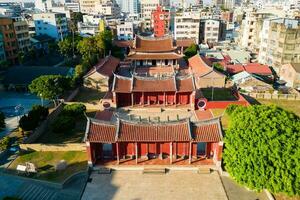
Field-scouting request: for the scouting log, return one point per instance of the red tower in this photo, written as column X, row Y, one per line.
column 160, row 20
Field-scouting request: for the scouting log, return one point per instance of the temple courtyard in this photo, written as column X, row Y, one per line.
column 135, row 185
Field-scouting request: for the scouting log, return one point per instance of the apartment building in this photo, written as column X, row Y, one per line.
column 87, row 6
column 22, row 33
column 129, row 6
column 108, row 8
column 125, row 31
column 74, row 6
column 249, row 35
column 160, row 21
column 147, row 6
column 280, row 42
column 51, row 24
column 9, row 39
column 211, row 31
column 187, row 25
column 2, row 50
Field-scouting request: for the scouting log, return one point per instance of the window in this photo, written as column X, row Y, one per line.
column 201, row 148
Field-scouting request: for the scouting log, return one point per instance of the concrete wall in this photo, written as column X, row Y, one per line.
column 274, row 96
column 54, row 147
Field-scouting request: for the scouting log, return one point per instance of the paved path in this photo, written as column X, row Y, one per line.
column 175, row 185
column 26, row 189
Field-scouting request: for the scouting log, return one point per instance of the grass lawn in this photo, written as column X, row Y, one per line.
column 284, row 197
column 293, row 106
column 45, row 162
column 218, row 94
column 86, row 95
column 224, row 118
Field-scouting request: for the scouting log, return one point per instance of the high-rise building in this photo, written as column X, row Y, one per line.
column 211, row 30
column 218, row 2
column 2, row 50
column 187, row 26
column 103, row 7
column 129, row 6
column 160, row 21
column 51, row 24
column 229, row 4
column 9, row 39
column 280, row 42
column 22, row 34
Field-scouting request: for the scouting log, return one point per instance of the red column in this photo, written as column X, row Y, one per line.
column 171, row 152
column 190, row 153
column 165, row 98
column 136, row 153
column 118, row 153
column 143, row 99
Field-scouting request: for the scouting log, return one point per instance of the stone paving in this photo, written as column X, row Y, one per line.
column 175, row 185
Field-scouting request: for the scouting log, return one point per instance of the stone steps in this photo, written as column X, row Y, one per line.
column 154, row 171
column 37, row 192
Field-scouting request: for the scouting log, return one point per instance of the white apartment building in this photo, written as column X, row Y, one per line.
column 280, row 42
column 43, row 5
column 147, row 6
column 108, row 8
column 129, row 6
column 125, row 31
column 187, row 25
column 75, row 7
column 51, row 24
column 90, row 25
column 210, row 31
column 22, row 34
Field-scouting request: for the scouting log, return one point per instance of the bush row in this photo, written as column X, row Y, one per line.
column 66, row 120
column 33, row 118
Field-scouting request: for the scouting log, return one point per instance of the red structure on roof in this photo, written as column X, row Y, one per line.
column 160, row 20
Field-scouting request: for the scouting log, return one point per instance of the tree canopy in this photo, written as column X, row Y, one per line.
column 191, row 51
column 2, row 120
column 262, row 148
column 49, row 86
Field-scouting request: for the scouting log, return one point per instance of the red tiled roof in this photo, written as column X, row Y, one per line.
column 252, row 68
column 144, row 44
column 154, row 85
column 154, row 132
column 198, row 65
column 185, row 42
column 123, row 43
column 203, row 114
column 122, row 84
column 185, row 85
column 207, row 132
column 102, row 132
column 256, row 68
column 153, row 56
column 105, row 67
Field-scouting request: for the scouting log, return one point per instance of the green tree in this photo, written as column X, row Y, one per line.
column 191, row 51
column 218, row 67
column 104, row 42
column 4, row 64
column 2, row 120
column 50, row 86
column 5, row 143
column 66, row 47
column 86, row 48
column 262, row 148
column 21, row 57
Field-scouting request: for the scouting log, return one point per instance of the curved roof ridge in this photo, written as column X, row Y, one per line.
column 121, row 77
column 155, row 38
column 207, row 121
column 101, row 122
column 152, row 78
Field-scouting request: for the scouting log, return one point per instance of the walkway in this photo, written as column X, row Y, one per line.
column 28, row 189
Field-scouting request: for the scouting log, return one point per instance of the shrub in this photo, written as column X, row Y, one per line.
column 2, row 120
column 231, row 108
column 74, row 110
column 5, row 143
column 63, row 123
column 27, row 124
column 262, row 149
column 41, row 111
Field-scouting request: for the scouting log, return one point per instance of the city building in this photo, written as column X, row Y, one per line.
column 87, row 6
column 211, row 31
column 74, row 6
column 280, row 42
column 12, row 8
column 9, row 39
column 154, row 79
column 147, row 6
column 187, row 25
column 229, row 4
column 51, row 24
column 249, row 36
column 2, row 49
column 125, row 31
column 22, row 33
column 108, row 8
column 290, row 73
column 129, row 6
column 160, row 20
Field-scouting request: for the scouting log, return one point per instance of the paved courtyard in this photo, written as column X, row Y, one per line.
column 133, row 185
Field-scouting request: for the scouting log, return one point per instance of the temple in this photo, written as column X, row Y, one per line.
column 154, row 108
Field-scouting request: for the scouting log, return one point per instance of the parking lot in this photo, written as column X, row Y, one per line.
column 133, row 185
